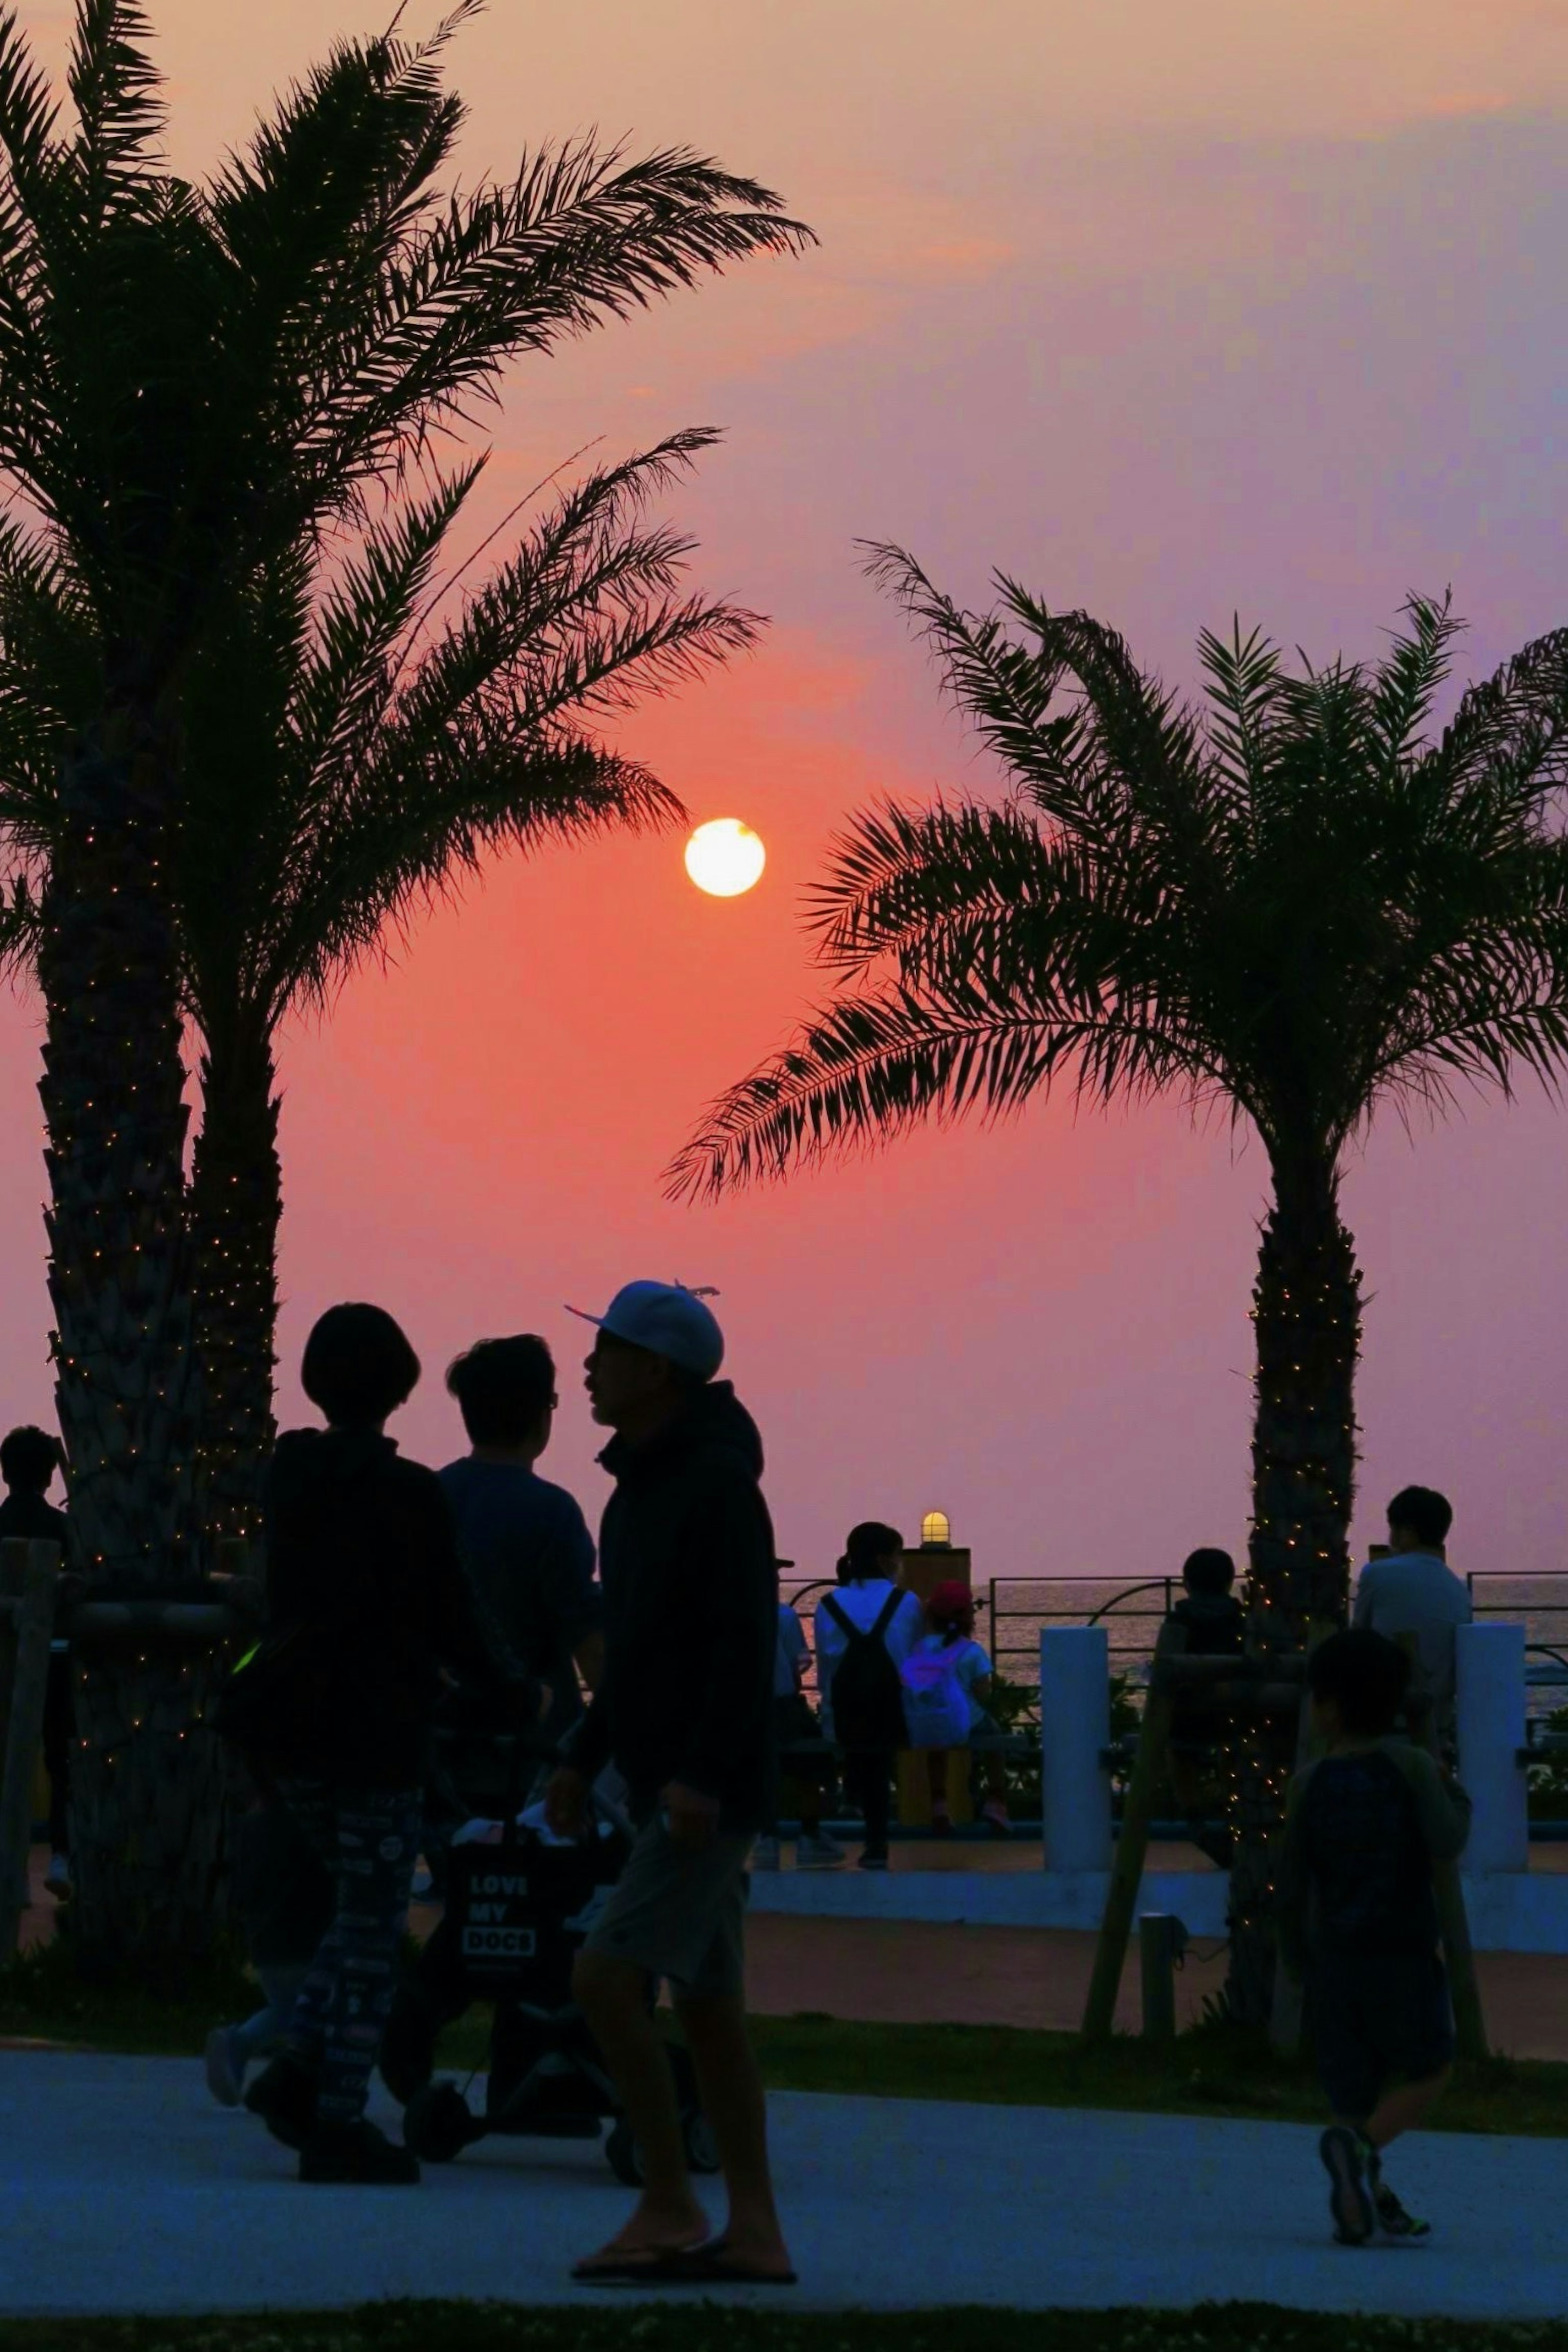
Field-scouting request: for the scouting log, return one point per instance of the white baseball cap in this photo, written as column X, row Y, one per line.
column 667, row 1319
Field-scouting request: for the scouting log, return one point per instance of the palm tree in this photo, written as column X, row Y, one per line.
column 191, row 380
column 339, row 762
column 1293, row 906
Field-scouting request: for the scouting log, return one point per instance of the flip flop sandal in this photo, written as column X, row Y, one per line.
column 707, row 2266
column 634, row 2265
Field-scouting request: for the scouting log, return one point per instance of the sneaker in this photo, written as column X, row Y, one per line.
column 358, row 2153
column 765, row 1854
column 819, row 1853
column 996, row 1813
column 871, row 1860
column 1392, row 2218
column 284, row 2096
column 58, row 1878
column 1344, row 2153
column 225, row 2079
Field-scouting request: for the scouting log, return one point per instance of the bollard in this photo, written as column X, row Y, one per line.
column 1075, row 1729
column 1488, row 1669
column 1162, row 1940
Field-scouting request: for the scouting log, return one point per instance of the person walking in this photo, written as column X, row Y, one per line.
column 29, row 1458
column 685, row 1712
column 1357, row 1917
column 864, row 1633
column 367, row 1601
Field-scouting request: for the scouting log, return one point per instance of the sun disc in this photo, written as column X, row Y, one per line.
column 725, row 857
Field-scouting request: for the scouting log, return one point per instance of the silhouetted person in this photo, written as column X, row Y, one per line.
column 524, row 1541
column 809, row 1776
column 1358, row 1920
column 29, row 1458
column 367, row 1601
column 685, row 1712
column 1207, row 1621
column 1412, row 1590
column 865, row 1630
column 947, row 1686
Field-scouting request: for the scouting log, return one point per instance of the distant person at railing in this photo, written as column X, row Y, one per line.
column 803, row 1777
column 1411, row 1589
column 865, row 1630
column 947, row 1680
column 29, row 1460
column 1207, row 1621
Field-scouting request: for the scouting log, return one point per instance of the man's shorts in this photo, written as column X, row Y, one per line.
column 678, row 1912
column 1372, row 2018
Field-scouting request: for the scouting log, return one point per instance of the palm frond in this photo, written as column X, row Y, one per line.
column 21, row 925
column 118, row 95
column 576, row 238
column 1409, row 681
column 1244, row 713
column 413, row 833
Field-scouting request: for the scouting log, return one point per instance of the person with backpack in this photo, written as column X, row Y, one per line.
column 947, row 1679
column 864, row 1633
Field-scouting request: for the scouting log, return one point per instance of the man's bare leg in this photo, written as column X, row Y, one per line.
column 735, row 2103
column 613, row 1997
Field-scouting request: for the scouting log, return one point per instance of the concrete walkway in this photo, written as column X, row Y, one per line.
column 124, row 2190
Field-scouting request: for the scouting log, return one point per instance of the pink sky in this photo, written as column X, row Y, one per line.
column 1170, row 312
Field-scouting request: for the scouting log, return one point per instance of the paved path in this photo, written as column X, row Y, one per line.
column 124, row 2189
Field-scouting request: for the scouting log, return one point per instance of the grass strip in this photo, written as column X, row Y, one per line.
column 1214, row 2069
column 588, row 2327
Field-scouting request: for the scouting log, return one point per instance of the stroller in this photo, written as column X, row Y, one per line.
column 518, row 1911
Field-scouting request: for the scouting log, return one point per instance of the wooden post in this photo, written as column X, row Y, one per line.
column 35, row 1613
column 1453, row 1920
column 1126, row 1859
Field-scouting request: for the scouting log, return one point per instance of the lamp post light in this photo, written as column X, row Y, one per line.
column 936, row 1532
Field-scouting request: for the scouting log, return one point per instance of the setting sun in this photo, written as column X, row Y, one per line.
column 725, row 857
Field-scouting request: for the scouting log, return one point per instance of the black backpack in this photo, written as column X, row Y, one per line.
column 867, row 1694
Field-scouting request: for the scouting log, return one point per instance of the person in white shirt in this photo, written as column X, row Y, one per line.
column 869, row 1728
column 805, row 1776
column 1412, row 1590
column 948, row 1679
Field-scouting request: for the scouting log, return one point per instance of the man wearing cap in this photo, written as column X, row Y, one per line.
column 684, row 1711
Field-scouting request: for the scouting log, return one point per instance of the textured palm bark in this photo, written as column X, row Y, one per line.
column 146, row 1796
column 236, row 1204
column 1307, row 1310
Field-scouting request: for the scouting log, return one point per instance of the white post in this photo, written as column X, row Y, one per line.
column 1489, row 1671
column 1075, row 1727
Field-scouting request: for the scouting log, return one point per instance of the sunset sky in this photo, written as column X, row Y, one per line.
column 1170, row 312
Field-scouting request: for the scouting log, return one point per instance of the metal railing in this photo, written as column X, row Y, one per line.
column 1008, row 1624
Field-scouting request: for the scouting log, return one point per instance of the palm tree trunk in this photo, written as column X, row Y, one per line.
column 236, row 1204
column 1306, row 1309
column 144, row 1780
